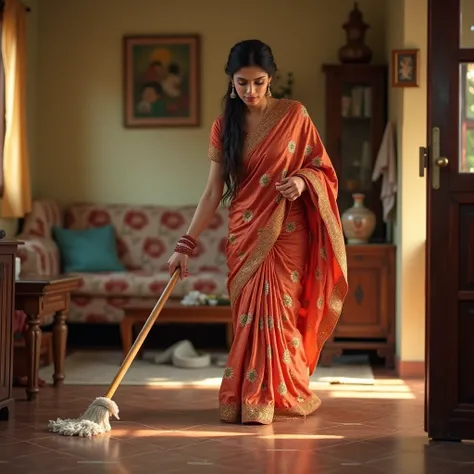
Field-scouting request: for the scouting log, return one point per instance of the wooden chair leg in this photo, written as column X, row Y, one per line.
column 126, row 332
column 49, row 352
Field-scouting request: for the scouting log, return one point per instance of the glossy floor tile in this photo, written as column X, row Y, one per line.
column 358, row 429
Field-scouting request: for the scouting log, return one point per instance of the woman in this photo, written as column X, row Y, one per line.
column 285, row 252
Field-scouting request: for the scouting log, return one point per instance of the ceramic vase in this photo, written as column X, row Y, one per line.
column 358, row 222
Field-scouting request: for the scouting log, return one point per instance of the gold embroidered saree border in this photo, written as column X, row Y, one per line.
column 269, row 235
column 334, row 229
column 265, row 242
column 265, row 414
column 336, row 237
column 261, row 132
column 281, row 108
column 214, row 154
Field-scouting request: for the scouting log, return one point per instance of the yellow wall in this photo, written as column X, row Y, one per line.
column 467, row 16
column 82, row 149
column 407, row 29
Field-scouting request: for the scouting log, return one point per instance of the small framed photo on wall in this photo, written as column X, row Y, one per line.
column 405, row 68
column 161, row 81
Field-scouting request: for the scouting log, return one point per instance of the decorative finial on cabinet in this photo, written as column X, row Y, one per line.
column 355, row 51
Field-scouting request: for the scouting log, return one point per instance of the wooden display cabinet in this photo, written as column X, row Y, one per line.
column 356, row 116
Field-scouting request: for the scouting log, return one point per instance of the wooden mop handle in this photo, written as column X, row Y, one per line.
column 143, row 334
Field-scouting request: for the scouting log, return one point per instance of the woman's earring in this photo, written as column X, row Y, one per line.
column 269, row 91
column 232, row 94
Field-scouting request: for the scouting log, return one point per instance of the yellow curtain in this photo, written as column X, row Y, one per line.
column 16, row 200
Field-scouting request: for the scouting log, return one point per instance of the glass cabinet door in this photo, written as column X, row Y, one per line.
column 355, row 143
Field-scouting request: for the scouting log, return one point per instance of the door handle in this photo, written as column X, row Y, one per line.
column 437, row 160
column 442, row 162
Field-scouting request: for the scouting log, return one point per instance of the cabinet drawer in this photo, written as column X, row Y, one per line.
column 368, row 256
column 369, row 307
column 364, row 313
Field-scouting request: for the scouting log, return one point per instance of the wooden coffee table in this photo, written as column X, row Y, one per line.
column 174, row 312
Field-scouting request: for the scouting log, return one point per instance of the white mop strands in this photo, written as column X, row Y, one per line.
column 94, row 421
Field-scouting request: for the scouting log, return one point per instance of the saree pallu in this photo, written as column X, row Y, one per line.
column 288, row 272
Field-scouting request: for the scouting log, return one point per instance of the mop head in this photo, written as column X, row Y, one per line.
column 94, row 421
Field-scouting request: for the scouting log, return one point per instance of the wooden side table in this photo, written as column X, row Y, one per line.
column 39, row 296
column 8, row 249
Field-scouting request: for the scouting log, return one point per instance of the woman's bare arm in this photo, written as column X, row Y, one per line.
column 209, row 201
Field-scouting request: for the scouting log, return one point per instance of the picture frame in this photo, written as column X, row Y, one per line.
column 405, row 68
column 161, row 81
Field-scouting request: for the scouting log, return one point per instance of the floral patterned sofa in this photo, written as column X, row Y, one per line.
column 145, row 235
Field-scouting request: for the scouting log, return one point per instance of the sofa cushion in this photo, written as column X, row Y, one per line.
column 145, row 284
column 88, row 250
column 147, row 235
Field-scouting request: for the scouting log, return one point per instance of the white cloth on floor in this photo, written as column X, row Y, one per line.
column 183, row 354
column 386, row 167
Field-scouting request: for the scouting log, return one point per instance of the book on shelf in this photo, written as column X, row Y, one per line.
column 358, row 103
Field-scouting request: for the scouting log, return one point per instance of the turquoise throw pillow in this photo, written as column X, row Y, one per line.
column 88, row 250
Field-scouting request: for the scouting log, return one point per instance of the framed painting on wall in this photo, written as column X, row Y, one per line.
column 405, row 68
column 161, row 81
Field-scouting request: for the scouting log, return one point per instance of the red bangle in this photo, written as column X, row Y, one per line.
column 187, row 242
column 184, row 250
column 186, row 245
column 191, row 239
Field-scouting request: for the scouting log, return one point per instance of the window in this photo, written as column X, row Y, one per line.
column 466, row 160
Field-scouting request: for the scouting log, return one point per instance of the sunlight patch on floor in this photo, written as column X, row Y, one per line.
column 300, row 436
column 395, row 389
column 151, row 433
column 201, row 434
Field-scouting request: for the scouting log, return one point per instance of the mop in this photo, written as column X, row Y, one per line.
column 96, row 419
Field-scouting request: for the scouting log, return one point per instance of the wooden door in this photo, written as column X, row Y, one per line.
column 450, row 241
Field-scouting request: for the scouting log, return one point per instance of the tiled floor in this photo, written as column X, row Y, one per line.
column 369, row 430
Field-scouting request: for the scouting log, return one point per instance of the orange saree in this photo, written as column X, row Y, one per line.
column 287, row 269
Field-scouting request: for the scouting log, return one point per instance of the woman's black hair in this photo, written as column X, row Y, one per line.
column 244, row 54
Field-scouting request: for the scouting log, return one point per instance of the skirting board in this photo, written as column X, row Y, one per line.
column 410, row 369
